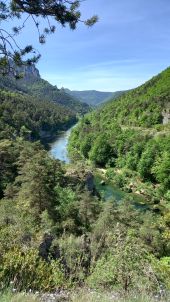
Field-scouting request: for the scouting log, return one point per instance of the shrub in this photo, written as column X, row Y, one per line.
column 26, row 270
column 162, row 268
column 126, row 267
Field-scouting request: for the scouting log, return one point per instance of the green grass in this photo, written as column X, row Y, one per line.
column 8, row 296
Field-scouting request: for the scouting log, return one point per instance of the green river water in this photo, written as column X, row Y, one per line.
column 58, row 149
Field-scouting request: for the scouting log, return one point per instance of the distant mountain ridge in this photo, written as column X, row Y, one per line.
column 93, row 97
column 32, row 84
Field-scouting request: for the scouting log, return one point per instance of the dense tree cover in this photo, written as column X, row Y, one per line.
column 54, row 233
column 44, row 90
column 129, row 133
column 141, row 107
column 31, row 118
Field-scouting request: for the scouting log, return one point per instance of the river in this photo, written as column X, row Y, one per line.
column 58, row 150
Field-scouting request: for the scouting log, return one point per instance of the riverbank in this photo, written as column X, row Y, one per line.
column 134, row 185
column 104, row 184
column 124, row 183
column 58, row 148
column 49, row 138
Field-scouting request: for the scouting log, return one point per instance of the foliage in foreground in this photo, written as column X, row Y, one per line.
column 54, row 233
column 8, row 296
column 60, row 12
column 96, row 296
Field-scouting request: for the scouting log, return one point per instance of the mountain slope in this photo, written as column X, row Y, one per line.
column 93, row 97
column 21, row 115
column 33, row 85
column 144, row 105
column 131, row 132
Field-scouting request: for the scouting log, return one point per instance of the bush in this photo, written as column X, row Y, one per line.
column 162, row 268
column 124, row 267
column 75, row 254
column 26, row 270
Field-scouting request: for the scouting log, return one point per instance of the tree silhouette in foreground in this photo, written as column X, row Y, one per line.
column 62, row 12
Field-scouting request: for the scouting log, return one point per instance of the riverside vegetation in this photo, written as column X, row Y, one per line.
column 54, row 232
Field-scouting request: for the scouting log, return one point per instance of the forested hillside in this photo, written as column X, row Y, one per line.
column 31, row 84
column 131, row 134
column 34, row 107
column 22, row 115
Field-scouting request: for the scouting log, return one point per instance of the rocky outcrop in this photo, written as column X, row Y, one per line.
column 81, row 176
column 58, row 296
column 166, row 116
column 45, row 245
column 30, row 71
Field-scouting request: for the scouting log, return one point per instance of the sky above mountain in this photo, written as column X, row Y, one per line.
column 129, row 44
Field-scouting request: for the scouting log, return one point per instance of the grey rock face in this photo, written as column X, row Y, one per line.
column 82, row 176
column 89, row 182
column 30, row 70
column 166, row 116
column 60, row 296
column 45, row 246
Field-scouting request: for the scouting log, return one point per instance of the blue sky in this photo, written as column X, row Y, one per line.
column 129, row 44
